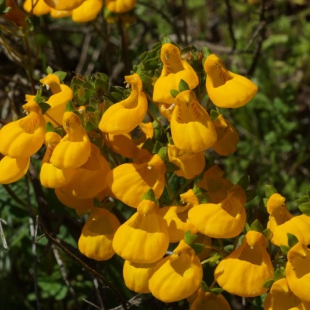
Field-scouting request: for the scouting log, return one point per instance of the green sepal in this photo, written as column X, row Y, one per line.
column 197, row 247
column 305, row 208
column 49, row 127
column 49, row 70
column 204, row 286
column 291, row 240
column 284, row 249
column 174, row 93
column 269, row 190
column 268, row 283
column 189, row 238
column 201, row 194
column 206, row 52
column 61, row 75
column 156, row 147
column 214, row 259
column 183, row 86
column 165, row 39
column 247, row 227
column 150, row 195
column 244, row 182
column 216, row 290
column 214, row 115
column 163, row 153
column 267, row 233
column 69, row 106
column 257, row 226
column 89, row 126
column 279, row 274
column 44, row 106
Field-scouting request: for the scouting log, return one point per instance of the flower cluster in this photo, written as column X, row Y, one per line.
column 102, row 148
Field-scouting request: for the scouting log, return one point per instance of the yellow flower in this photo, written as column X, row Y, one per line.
column 280, row 297
column 144, row 237
column 281, row 222
column 223, row 220
column 90, row 179
column 61, row 95
column 225, row 88
column 176, row 276
column 174, row 70
column 128, row 182
column 25, row 136
column 40, row 7
column 127, row 114
column 74, row 148
column 64, row 5
column 166, row 109
column 120, row 6
column 246, row 269
column 192, row 129
column 13, row 169
column 298, row 271
column 190, row 164
column 60, row 14
column 50, row 176
column 97, row 234
column 215, row 184
column 136, row 276
column 206, row 300
column 227, row 137
column 87, row 11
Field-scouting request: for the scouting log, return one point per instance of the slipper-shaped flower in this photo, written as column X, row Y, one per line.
column 126, row 115
column 225, row 88
column 13, row 169
column 40, row 7
column 281, row 222
column 128, row 182
column 174, row 70
column 87, row 11
column 143, row 238
column 24, row 137
column 176, row 276
column 64, row 5
column 120, row 6
column 246, row 269
column 223, row 220
column 74, row 148
column 192, row 129
column 227, row 137
column 206, row 300
column 97, row 234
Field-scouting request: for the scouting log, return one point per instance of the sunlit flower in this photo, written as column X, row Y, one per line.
column 227, row 137
column 38, row 7
column 144, row 237
column 191, row 164
column 280, row 297
column 223, row 220
column 128, row 182
column 281, row 222
column 176, row 276
column 124, row 116
column 206, row 300
column 87, row 11
column 25, row 136
column 225, row 88
column 13, row 169
column 191, row 126
column 64, row 5
column 97, row 234
column 74, row 148
column 246, row 269
column 174, row 70
column 298, row 271
column 120, row 6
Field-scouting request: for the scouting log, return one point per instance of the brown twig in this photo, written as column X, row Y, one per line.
column 230, row 25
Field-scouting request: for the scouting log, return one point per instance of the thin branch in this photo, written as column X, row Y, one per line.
column 5, row 245
column 230, row 25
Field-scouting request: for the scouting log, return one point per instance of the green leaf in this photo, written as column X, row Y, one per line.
column 90, row 126
column 302, row 199
column 174, row 92
column 247, row 227
column 292, row 240
column 61, row 75
column 198, row 247
column 250, row 195
column 214, row 115
column 267, row 233
column 183, row 86
column 69, row 106
column 284, row 249
column 268, row 283
column 189, row 238
column 163, row 153
column 216, row 290
column 257, row 226
column 201, row 194
column 305, row 208
column 148, row 145
column 49, row 127
column 204, row 286
column 44, row 106
column 165, row 39
column 269, row 190
column 49, row 70
column 244, row 182
column 279, row 274
column 170, row 167
column 149, row 195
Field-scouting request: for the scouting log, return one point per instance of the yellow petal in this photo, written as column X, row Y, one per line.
column 87, row 11
column 206, row 300
column 176, row 276
column 144, row 237
column 64, row 5
column 227, row 137
column 60, row 14
column 52, row 82
column 120, row 6
column 74, row 149
column 13, row 169
column 223, row 220
column 25, row 136
column 227, row 89
column 174, row 70
column 40, row 7
column 127, row 114
column 191, row 126
column 97, row 234
column 246, row 269
column 128, row 182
